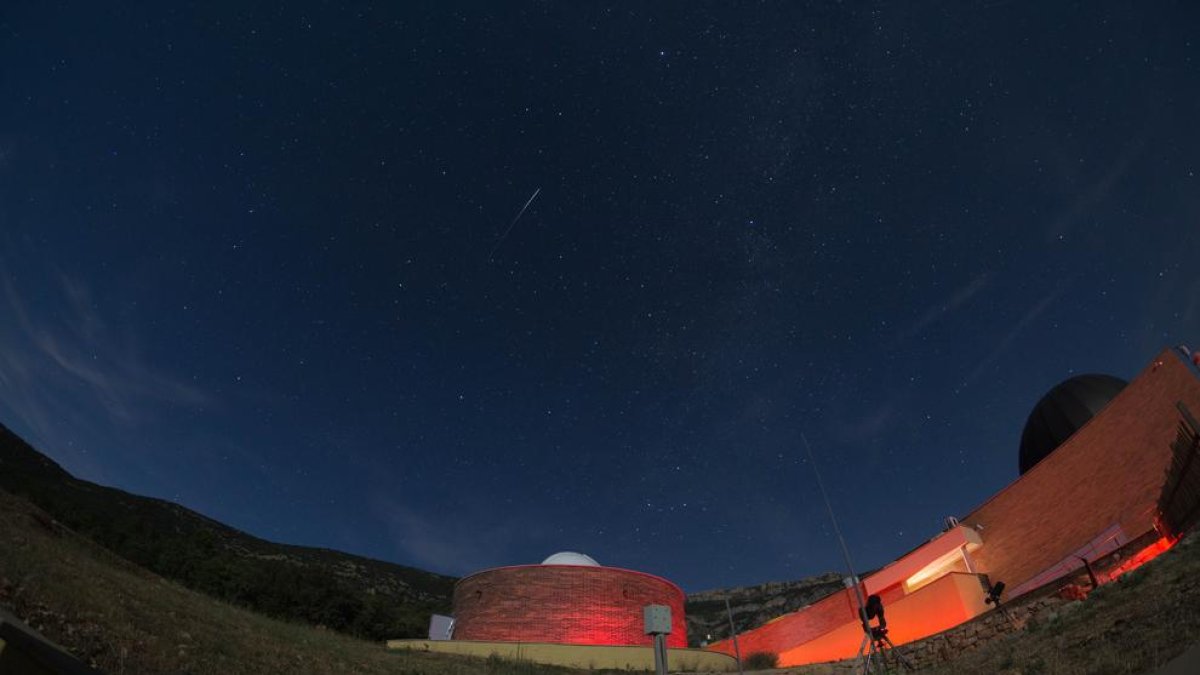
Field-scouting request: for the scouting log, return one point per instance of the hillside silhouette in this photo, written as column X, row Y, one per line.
column 359, row 596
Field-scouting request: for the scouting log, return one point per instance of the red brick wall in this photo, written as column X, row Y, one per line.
column 563, row 604
column 1110, row 472
column 796, row 628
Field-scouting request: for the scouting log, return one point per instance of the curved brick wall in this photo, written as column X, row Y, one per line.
column 563, row 604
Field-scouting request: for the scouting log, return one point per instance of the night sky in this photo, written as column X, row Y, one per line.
column 262, row 261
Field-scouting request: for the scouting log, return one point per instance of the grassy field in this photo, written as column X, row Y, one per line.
column 122, row 619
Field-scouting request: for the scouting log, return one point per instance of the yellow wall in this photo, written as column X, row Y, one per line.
column 576, row 656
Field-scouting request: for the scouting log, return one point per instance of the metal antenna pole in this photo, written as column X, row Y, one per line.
column 733, row 632
column 833, row 519
column 845, row 552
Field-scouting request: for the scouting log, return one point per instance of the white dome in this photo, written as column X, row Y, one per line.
column 571, row 558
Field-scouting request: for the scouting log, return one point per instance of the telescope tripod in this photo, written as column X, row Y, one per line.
column 876, row 648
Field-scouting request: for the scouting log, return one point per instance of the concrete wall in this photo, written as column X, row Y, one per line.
column 577, row 656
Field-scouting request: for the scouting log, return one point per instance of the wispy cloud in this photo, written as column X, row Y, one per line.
column 1087, row 200
column 1006, row 341
column 66, row 371
column 869, row 425
column 957, row 299
column 457, row 542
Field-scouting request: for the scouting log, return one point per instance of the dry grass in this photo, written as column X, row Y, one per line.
column 123, row 619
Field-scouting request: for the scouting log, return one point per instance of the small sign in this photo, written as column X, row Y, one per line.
column 441, row 627
column 657, row 619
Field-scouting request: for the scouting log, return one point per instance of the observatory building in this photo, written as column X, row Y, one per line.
column 1064, row 410
column 1106, row 482
column 1100, row 460
column 568, row 599
column 569, row 611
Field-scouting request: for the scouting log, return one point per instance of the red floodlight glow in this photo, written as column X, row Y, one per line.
column 1142, row 557
column 564, row 604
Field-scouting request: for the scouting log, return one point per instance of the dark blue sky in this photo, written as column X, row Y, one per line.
column 244, row 256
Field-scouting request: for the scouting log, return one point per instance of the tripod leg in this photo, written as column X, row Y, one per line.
column 863, row 653
column 877, row 656
column 898, row 654
column 884, row 661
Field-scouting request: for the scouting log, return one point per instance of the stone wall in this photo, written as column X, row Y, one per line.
column 945, row 646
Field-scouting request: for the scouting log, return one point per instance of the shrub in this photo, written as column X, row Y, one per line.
column 762, row 660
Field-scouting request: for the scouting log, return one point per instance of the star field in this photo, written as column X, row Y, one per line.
column 271, row 263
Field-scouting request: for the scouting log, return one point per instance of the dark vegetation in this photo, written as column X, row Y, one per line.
column 118, row 617
column 761, row 661
column 366, row 598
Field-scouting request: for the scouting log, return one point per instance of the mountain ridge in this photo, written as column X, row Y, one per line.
column 362, row 596
column 354, row 594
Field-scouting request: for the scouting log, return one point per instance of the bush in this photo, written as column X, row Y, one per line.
column 762, row 661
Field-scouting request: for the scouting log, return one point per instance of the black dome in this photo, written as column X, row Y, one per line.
column 1062, row 412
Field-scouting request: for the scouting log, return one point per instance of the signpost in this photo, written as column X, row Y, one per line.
column 737, row 653
column 657, row 620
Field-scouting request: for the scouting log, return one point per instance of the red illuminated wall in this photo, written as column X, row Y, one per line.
column 943, row 604
column 1110, row 472
column 791, row 630
column 563, row 604
column 828, row 630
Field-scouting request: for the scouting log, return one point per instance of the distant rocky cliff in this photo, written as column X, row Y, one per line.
column 752, row 605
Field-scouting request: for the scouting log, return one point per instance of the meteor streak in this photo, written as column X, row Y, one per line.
column 513, row 223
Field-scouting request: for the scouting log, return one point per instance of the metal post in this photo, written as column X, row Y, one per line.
column 858, row 595
column 737, row 653
column 833, row 519
column 660, row 654
column 657, row 622
column 1091, row 573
